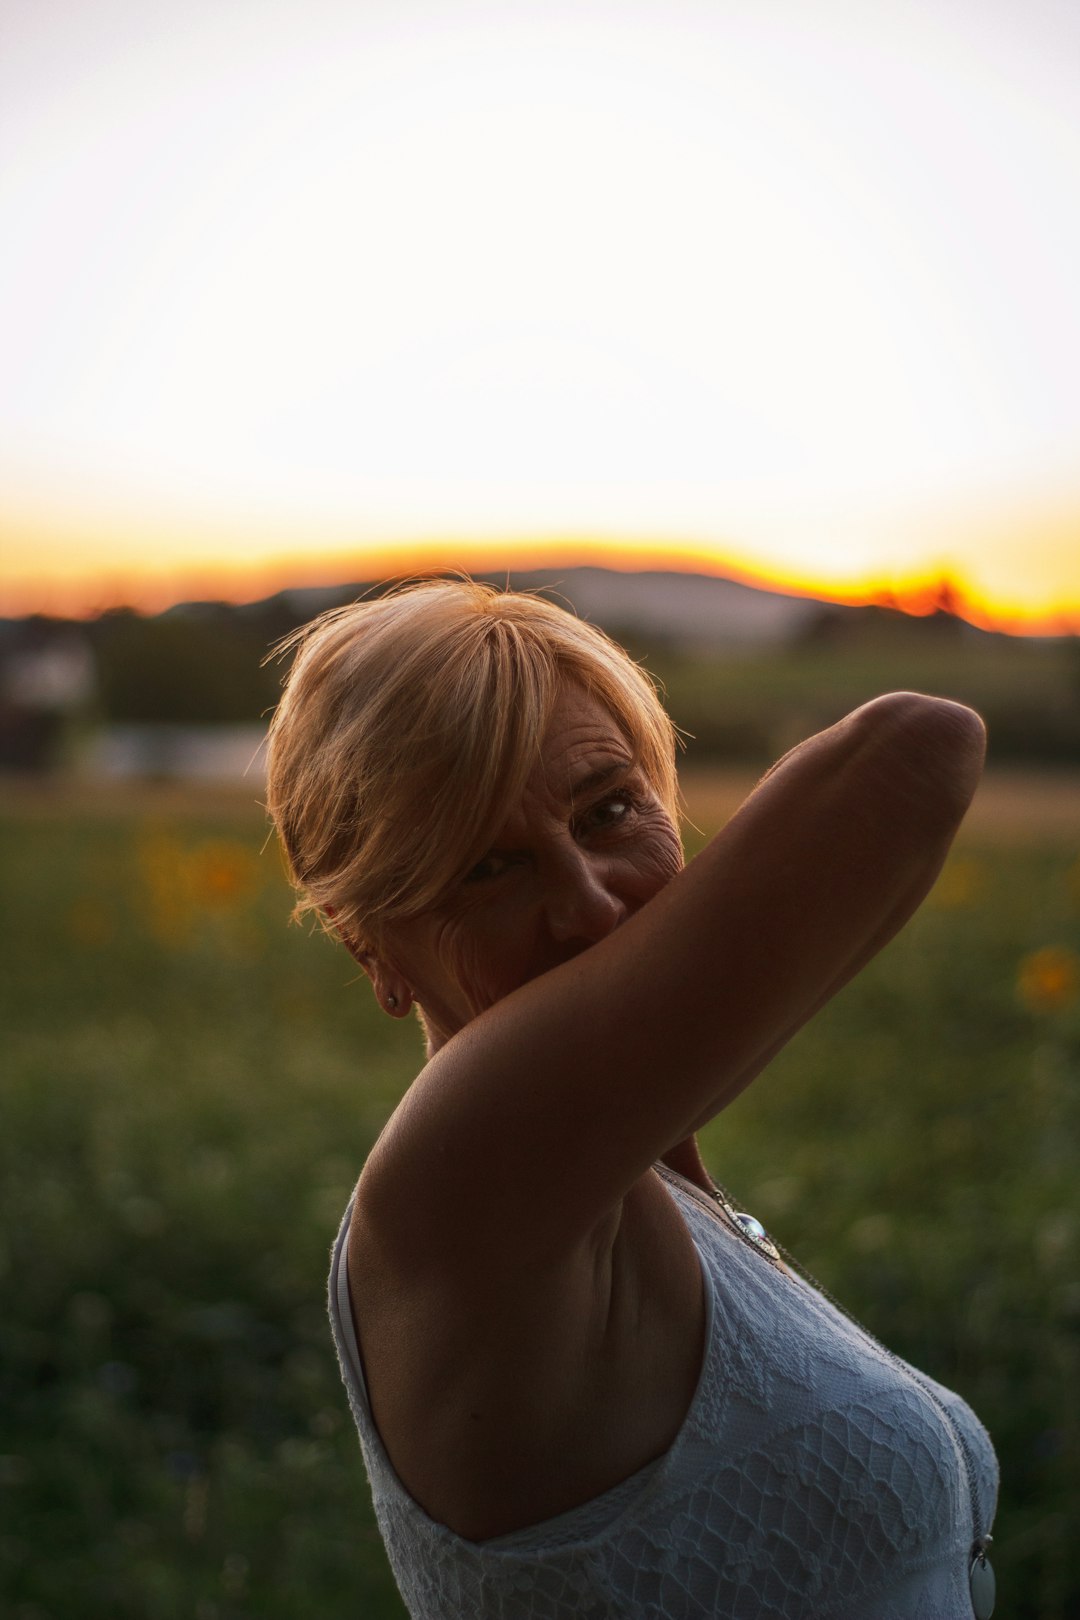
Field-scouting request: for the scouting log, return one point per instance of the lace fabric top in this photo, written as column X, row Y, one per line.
column 814, row 1475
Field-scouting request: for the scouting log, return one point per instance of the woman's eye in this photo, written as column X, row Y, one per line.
column 492, row 866
column 610, row 812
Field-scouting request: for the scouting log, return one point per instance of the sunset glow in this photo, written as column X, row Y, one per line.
column 328, row 292
column 153, row 582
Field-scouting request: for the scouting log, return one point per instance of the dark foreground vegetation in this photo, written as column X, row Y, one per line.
column 189, row 1089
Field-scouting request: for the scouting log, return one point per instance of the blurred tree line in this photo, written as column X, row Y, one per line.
column 753, row 708
column 195, row 665
column 206, row 663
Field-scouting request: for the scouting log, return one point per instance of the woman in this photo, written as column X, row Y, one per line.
column 584, row 1385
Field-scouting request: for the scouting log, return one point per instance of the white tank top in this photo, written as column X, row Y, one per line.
column 815, row 1475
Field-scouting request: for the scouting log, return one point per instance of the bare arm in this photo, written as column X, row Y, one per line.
column 529, row 1127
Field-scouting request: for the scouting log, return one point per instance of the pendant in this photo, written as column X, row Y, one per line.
column 754, row 1230
column 983, row 1586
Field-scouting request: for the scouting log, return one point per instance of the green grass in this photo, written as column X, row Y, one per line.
column 189, row 1090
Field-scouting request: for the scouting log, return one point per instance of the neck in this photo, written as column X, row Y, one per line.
column 685, row 1159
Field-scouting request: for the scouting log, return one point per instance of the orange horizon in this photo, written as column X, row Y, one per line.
column 84, row 594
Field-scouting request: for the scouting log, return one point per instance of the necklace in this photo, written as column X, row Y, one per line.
column 981, row 1582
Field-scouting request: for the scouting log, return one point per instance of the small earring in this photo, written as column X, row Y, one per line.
column 391, row 1003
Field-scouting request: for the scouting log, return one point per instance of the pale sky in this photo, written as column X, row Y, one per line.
column 794, row 281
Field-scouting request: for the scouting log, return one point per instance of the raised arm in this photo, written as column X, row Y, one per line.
column 582, row 1078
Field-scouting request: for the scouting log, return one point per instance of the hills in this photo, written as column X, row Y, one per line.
column 694, row 609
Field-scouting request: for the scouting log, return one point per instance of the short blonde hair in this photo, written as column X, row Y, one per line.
column 407, row 728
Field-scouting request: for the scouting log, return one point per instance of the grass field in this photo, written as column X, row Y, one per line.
column 189, row 1090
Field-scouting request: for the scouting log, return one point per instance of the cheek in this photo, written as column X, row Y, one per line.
column 477, row 960
column 658, row 858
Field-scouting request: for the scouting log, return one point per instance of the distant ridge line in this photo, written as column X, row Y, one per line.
column 689, row 608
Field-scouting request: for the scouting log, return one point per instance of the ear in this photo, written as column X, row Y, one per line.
column 391, row 991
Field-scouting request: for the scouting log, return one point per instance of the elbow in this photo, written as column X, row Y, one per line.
column 936, row 722
column 933, row 750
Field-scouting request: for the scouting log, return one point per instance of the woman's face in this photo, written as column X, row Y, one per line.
column 586, row 846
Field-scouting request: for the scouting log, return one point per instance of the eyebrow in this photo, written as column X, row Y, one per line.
column 599, row 778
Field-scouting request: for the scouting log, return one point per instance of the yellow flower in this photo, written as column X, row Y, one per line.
column 163, row 889
column 1049, row 979
column 223, row 874
column 181, row 884
column 959, row 885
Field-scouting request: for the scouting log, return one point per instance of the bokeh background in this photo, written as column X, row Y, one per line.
column 749, row 332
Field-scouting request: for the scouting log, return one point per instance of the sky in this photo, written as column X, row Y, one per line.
column 303, row 290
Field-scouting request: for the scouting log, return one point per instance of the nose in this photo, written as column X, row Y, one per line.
column 579, row 901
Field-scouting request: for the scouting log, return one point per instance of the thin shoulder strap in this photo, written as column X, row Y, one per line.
column 341, row 1299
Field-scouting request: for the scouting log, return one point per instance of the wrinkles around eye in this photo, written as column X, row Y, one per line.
column 492, row 866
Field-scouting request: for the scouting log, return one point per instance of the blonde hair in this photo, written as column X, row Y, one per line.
column 406, row 731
